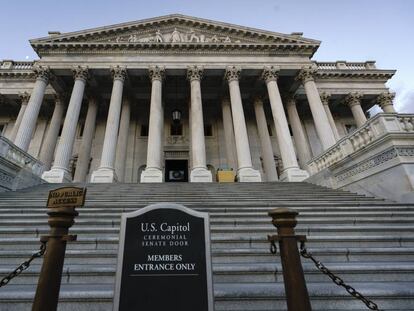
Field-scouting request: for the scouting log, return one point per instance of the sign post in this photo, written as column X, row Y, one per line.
column 61, row 203
column 164, row 260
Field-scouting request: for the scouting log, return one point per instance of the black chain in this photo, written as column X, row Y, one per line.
column 23, row 266
column 336, row 279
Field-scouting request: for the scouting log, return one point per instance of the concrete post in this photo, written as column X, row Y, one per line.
column 121, row 150
column 24, row 100
column 353, row 100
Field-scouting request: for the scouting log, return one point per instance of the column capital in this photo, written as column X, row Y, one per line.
column 225, row 100
column 353, row 99
column 325, row 96
column 195, row 73
column 156, row 72
column 24, row 97
column 118, row 73
column 290, row 100
column 80, row 73
column 42, row 73
column 232, row 73
column 306, row 74
column 257, row 100
column 385, row 99
column 59, row 98
column 270, row 73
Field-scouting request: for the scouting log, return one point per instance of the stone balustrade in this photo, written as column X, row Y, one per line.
column 370, row 133
column 16, row 65
column 10, row 152
column 346, row 65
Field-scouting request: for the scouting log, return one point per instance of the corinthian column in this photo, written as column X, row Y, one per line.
column 199, row 171
column 29, row 119
column 49, row 145
column 229, row 134
column 325, row 101
column 353, row 100
column 60, row 170
column 291, row 171
column 302, row 146
column 384, row 100
column 84, row 154
column 153, row 171
column 245, row 171
column 320, row 118
column 24, row 97
column 121, row 148
column 106, row 171
column 267, row 152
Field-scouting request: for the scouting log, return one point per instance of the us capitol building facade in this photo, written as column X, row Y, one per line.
column 178, row 98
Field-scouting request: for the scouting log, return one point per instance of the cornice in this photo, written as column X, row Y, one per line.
column 371, row 74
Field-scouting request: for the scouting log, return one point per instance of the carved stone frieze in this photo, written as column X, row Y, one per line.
column 156, row 72
column 195, row 73
column 325, row 98
column 270, row 73
column 385, row 99
column 42, row 73
column 353, row 99
column 80, row 73
column 118, row 73
column 232, row 73
column 306, row 74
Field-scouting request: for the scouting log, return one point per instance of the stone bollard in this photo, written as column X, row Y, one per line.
column 295, row 286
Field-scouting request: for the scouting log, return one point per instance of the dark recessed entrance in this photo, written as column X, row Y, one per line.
column 176, row 170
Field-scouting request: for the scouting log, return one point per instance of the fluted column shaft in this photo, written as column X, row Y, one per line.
column 65, row 147
column 323, row 128
column 25, row 99
column 245, row 168
column 287, row 151
column 267, row 151
column 325, row 101
column 112, row 123
column 122, row 145
column 153, row 171
column 49, row 145
column 302, row 146
column 28, row 123
column 353, row 100
column 156, row 124
column 229, row 134
column 84, row 154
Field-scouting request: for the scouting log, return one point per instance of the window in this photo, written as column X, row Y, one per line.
column 208, row 130
column 176, row 129
column 144, row 130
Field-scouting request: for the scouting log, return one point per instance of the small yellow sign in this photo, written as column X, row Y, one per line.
column 66, row 197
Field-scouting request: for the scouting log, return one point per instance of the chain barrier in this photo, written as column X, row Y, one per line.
column 23, row 266
column 336, row 279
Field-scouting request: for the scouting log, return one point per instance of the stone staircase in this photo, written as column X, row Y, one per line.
column 367, row 241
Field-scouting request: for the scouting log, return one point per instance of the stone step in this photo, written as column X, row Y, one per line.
column 236, row 273
column 228, row 296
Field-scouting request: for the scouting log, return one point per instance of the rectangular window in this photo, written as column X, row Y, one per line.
column 144, row 130
column 176, row 129
column 208, row 130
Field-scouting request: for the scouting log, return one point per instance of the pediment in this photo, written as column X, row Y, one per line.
column 176, row 30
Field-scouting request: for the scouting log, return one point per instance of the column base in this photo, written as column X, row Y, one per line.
column 104, row 175
column 200, row 174
column 57, row 175
column 294, row 174
column 248, row 174
column 151, row 175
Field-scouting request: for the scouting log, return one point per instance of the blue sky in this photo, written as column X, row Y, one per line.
column 352, row 30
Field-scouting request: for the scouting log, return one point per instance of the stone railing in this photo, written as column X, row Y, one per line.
column 346, row 65
column 17, row 156
column 371, row 132
column 16, row 65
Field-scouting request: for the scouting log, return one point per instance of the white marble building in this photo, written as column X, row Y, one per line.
column 178, row 98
